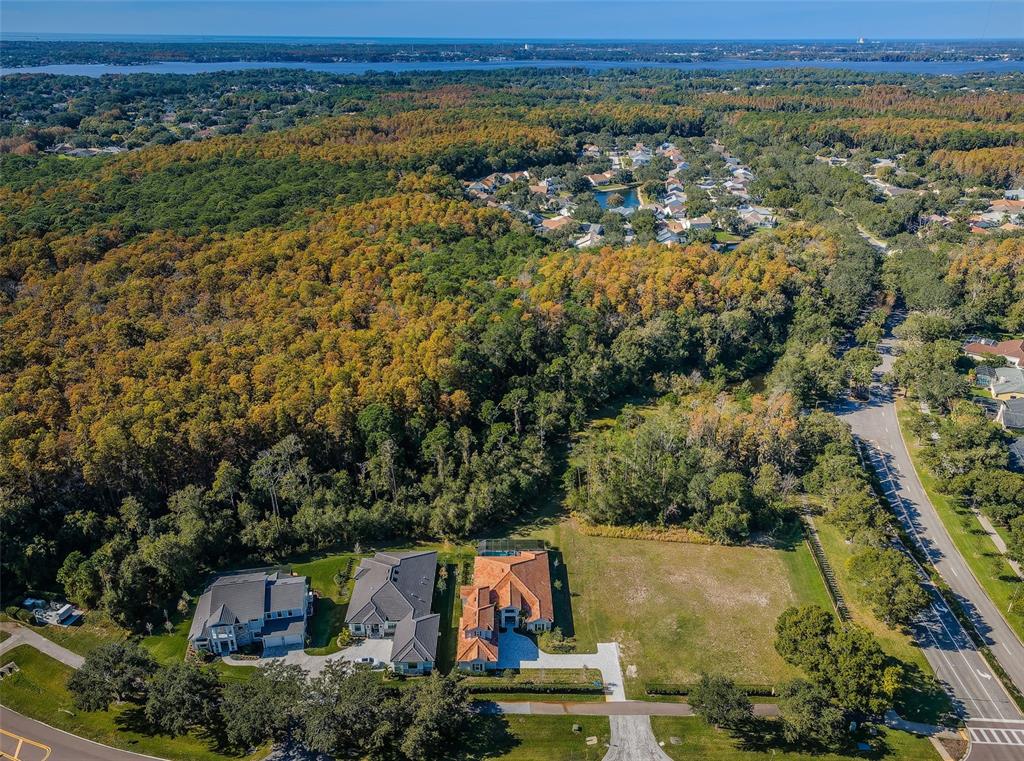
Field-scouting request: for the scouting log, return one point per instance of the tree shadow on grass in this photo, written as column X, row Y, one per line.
column 133, row 719
column 485, row 736
column 561, row 594
column 922, row 697
column 761, row 735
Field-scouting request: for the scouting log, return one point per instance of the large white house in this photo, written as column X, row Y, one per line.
column 252, row 608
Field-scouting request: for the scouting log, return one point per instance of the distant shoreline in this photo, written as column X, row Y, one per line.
column 932, row 68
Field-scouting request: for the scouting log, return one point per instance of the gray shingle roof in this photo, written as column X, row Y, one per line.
column 392, row 587
column 1008, row 380
column 243, row 597
column 416, row 639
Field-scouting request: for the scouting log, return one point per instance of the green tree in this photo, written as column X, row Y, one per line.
column 718, row 700
column 264, row 706
column 809, row 717
column 115, row 672
column 182, row 696
column 888, row 581
column 439, row 710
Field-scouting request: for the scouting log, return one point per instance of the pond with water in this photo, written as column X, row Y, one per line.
column 630, row 199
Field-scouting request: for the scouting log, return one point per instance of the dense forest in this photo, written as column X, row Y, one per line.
column 284, row 336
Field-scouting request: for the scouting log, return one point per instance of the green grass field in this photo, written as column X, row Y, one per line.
column 926, row 701
column 535, row 738
column 94, row 630
column 986, row 562
column 698, row 741
column 678, row 609
column 38, row 691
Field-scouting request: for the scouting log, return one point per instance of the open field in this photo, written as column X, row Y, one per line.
column 926, row 702
column 37, row 691
column 987, row 564
column 698, row 741
column 678, row 609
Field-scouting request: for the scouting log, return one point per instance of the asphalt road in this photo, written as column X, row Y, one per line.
column 25, row 739
column 632, row 739
column 977, row 694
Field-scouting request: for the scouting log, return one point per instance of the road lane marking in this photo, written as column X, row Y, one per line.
column 22, row 741
column 993, row 736
column 879, row 463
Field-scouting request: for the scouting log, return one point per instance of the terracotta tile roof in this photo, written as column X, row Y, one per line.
column 477, row 648
column 477, row 610
column 520, row 581
column 1013, row 349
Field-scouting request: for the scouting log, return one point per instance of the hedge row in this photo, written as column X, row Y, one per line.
column 677, row 534
column 666, row 688
column 540, row 689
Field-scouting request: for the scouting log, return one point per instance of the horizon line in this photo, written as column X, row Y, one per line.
column 129, row 37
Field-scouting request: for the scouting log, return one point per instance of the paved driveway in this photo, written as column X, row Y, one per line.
column 378, row 649
column 516, row 651
column 22, row 635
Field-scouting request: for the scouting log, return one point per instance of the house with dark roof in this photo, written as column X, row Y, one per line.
column 251, row 608
column 510, row 589
column 391, row 599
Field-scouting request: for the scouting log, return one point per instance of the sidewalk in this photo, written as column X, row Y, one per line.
column 607, row 708
column 997, row 540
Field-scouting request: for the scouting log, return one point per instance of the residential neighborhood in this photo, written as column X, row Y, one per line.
column 643, row 196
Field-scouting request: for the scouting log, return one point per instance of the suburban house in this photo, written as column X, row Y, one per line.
column 589, row 240
column 1011, row 413
column 985, row 348
column 1007, row 383
column 557, row 223
column 601, row 178
column 511, row 589
column 391, row 599
column 698, row 223
column 249, row 607
column 756, row 216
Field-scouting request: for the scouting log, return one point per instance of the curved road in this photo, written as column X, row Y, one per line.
column 26, row 739
column 977, row 693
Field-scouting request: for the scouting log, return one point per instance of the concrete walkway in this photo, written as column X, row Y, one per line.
column 624, row 708
column 516, row 651
column 997, row 540
column 22, row 635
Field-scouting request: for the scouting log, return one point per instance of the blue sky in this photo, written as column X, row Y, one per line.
column 523, row 19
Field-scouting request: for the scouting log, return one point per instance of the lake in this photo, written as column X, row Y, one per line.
column 630, row 199
column 190, row 67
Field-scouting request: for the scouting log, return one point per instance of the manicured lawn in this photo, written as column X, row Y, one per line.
column 678, row 609
column 4, row 635
column 926, row 701
column 698, row 741
column 38, row 691
column 329, row 620
column 536, row 738
column 986, row 562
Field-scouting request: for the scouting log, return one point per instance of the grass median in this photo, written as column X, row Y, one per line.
column 988, row 565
